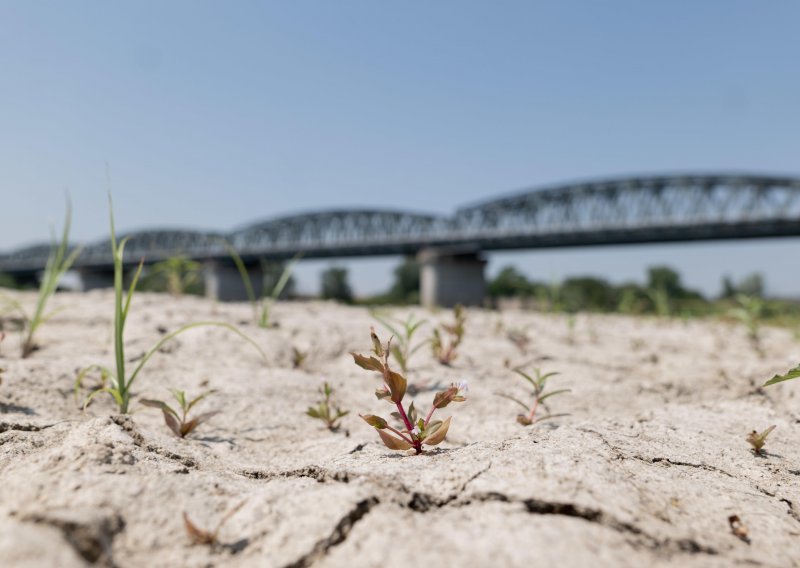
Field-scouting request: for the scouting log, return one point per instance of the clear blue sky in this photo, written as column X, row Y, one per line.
column 217, row 114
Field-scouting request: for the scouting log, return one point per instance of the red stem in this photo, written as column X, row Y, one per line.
column 416, row 443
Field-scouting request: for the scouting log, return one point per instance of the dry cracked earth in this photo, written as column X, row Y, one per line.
column 645, row 469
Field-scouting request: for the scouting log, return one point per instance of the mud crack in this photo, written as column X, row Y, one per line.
column 314, row 472
column 339, row 534
column 91, row 540
column 639, row 537
column 127, row 425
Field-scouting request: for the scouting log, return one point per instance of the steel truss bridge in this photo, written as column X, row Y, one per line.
column 628, row 210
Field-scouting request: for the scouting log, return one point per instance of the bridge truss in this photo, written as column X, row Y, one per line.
column 613, row 211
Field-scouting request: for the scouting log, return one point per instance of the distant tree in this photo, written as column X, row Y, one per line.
column 510, row 282
column 405, row 289
column 750, row 285
column 588, row 293
column 335, row 285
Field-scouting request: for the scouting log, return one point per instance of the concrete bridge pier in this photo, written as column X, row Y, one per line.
column 451, row 276
column 223, row 281
column 94, row 278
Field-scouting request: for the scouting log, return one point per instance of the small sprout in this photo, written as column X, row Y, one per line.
column 403, row 332
column 202, row 536
column 571, row 321
column 298, row 358
column 539, row 382
column 758, row 440
column 749, row 311
column 416, row 431
column 325, row 409
column 121, row 381
column 178, row 272
column 738, row 528
column 520, row 338
column 444, row 349
column 179, row 423
column 59, row 261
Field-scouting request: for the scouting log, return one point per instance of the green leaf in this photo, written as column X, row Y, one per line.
column 789, row 375
column 548, row 395
column 518, row 401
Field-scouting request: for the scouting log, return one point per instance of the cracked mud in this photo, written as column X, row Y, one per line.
column 644, row 470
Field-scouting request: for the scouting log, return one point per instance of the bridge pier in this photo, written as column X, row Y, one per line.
column 223, row 281
column 93, row 278
column 451, row 276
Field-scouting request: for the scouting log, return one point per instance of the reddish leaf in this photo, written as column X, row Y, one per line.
column 368, row 363
column 393, row 443
column 438, row 436
column 375, row 421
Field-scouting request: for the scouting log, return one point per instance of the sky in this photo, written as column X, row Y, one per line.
column 214, row 115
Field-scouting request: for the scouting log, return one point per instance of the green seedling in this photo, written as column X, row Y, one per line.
column 325, row 409
column 539, row 383
column 298, row 358
column 444, row 349
column 179, row 273
column 758, row 440
column 415, row 431
column 403, row 332
column 179, row 423
column 571, row 322
column 120, row 383
column 263, row 304
column 58, row 262
column 749, row 311
column 200, row 536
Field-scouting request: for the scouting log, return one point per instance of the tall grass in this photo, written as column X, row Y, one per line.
column 262, row 304
column 120, row 384
column 59, row 261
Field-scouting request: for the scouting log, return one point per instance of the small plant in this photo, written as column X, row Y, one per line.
column 58, row 262
column 178, row 272
column 660, row 299
column 749, row 311
column 445, row 349
column 261, row 304
column 539, row 382
column 571, row 322
column 204, row 537
column 179, row 423
column 758, row 440
column 298, row 358
column 520, row 338
column 121, row 383
column 415, row 431
column 403, row 332
column 325, row 409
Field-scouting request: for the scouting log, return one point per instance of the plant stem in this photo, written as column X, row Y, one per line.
column 533, row 410
column 416, row 443
column 430, row 415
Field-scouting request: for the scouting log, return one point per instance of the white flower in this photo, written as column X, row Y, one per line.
column 415, row 431
column 463, row 386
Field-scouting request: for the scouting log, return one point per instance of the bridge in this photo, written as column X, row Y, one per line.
column 628, row 210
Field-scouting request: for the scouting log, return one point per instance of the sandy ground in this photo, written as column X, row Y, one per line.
column 644, row 471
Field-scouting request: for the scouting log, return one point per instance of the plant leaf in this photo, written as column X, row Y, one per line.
column 445, row 397
column 548, row 395
column 187, row 427
column 518, row 401
column 372, row 420
column 790, row 374
column 368, row 363
column 393, row 443
column 439, row 434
